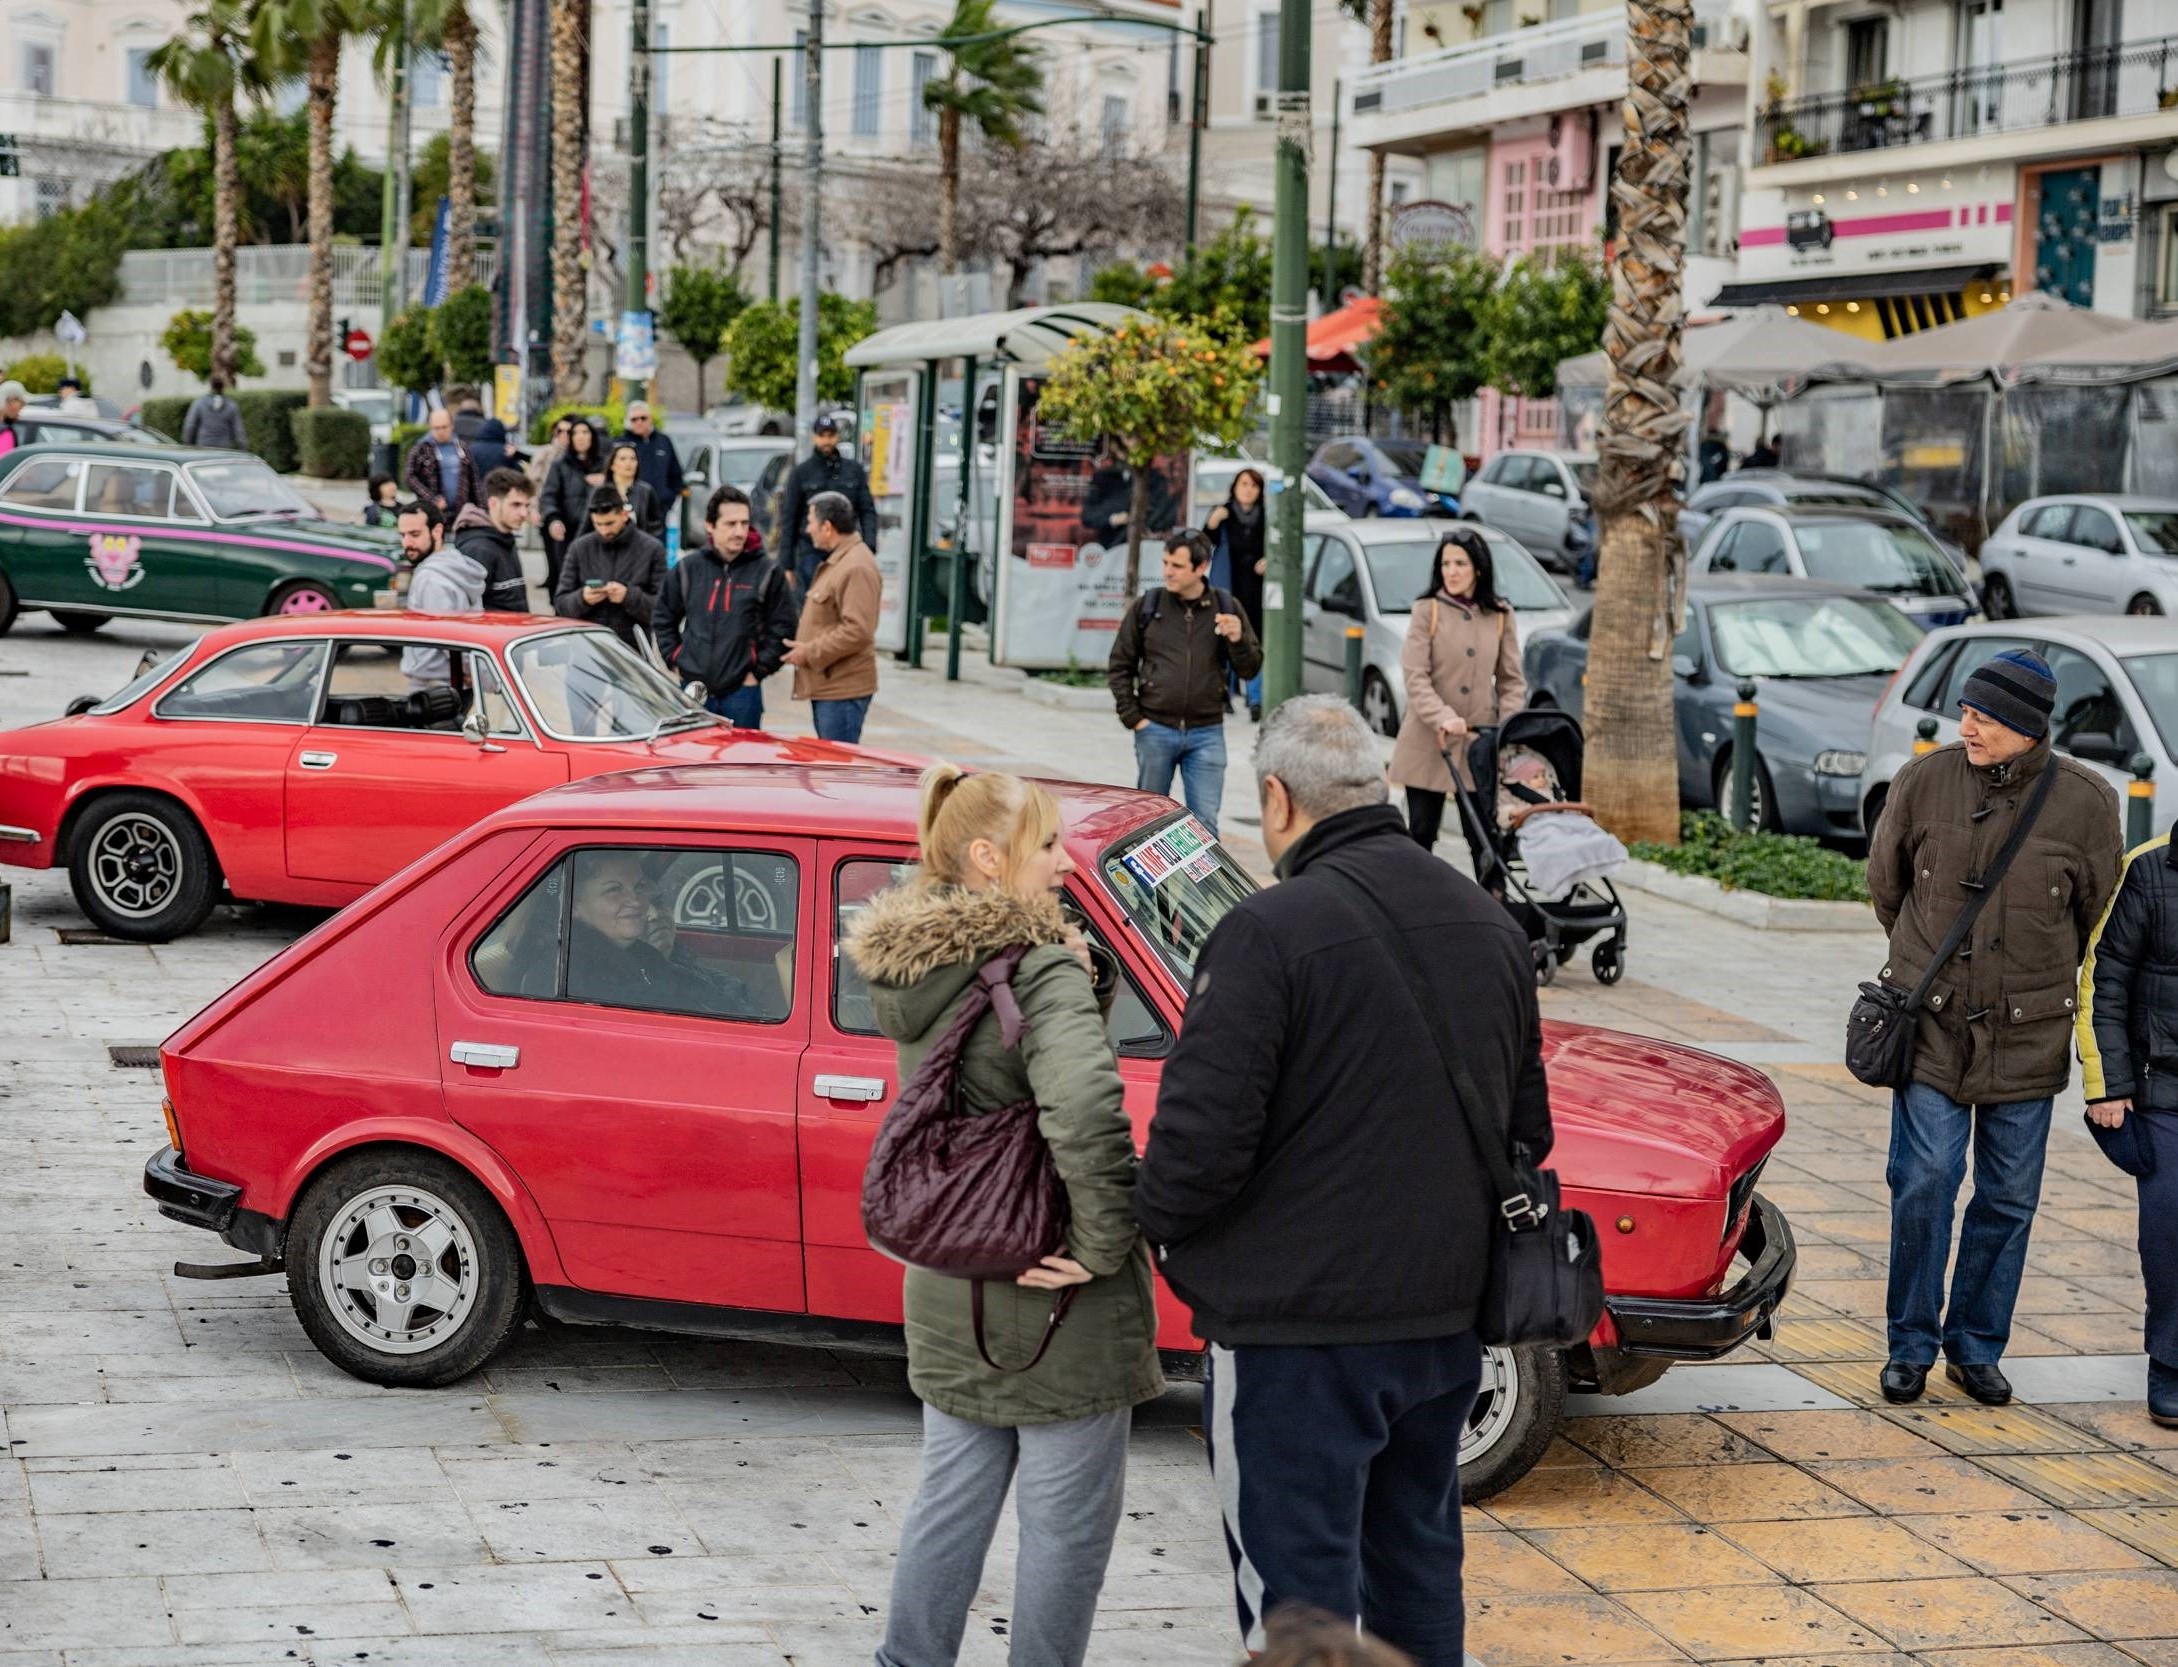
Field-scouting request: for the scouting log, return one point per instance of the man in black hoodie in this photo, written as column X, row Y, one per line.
column 825, row 469
column 1311, row 1192
column 613, row 573
column 725, row 613
column 487, row 536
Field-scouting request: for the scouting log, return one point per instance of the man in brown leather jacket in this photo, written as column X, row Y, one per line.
column 1994, row 1037
column 834, row 649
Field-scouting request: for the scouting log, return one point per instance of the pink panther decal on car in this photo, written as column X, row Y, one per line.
column 116, row 561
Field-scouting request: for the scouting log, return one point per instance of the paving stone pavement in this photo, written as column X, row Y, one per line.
column 185, row 1481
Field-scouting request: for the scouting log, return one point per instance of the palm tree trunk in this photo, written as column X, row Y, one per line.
column 461, row 150
column 318, row 332
column 1632, row 772
column 1372, row 258
column 949, row 191
column 570, row 301
column 226, row 232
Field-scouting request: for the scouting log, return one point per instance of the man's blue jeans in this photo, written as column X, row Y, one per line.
column 742, row 707
column 840, row 720
column 1199, row 757
column 1929, row 1137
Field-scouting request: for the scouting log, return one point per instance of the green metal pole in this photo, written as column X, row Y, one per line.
column 926, row 443
column 1288, row 394
column 775, row 185
column 1331, row 203
column 2140, row 802
column 1744, row 715
column 1197, row 112
column 639, row 44
column 957, row 580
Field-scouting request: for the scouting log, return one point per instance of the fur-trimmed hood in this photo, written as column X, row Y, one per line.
column 904, row 935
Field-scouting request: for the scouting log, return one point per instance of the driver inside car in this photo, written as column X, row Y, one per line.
column 614, row 955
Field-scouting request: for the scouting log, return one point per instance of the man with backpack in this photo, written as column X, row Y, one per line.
column 1168, row 676
column 725, row 613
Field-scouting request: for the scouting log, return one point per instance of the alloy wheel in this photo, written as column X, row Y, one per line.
column 398, row 1269
column 2144, row 605
column 305, row 599
column 136, row 864
column 1376, row 707
column 1496, row 1402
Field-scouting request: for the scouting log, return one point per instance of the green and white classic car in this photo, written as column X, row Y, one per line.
column 90, row 532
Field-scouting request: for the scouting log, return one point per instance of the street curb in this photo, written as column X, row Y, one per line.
column 1046, row 693
column 1749, row 908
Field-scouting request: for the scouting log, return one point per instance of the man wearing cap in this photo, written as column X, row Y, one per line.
column 1994, row 1032
column 825, row 469
column 12, row 398
column 657, row 464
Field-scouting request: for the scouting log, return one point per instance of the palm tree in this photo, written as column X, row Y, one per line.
column 1372, row 257
column 570, row 93
column 1631, row 776
column 205, row 66
column 306, row 37
column 995, row 84
column 447, row 26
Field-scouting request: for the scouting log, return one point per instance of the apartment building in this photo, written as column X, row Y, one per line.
column 1922, row 161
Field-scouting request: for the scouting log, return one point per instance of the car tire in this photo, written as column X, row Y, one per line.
column 9, row 607
column 1996, row 597
column 141, row 868
column 80, row 625
column 1368, row 511
column 1766, row 817
column 2144, row 605
column 1505, row 1437
column 1379, row 708
column 362, row 1220
column 1871, row 811
column 302, row 597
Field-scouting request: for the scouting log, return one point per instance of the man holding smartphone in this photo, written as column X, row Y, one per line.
column 613, row 573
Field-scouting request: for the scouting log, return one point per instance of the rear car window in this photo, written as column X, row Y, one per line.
column 1175, row 883
column 270, row 682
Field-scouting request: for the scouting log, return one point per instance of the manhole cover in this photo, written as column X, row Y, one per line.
column 134, row 1058
column 83, row 934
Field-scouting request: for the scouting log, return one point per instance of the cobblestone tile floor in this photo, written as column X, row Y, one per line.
column 186, row 1481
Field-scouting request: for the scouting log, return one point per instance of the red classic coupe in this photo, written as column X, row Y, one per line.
column 616, row 1068
column 303, row 759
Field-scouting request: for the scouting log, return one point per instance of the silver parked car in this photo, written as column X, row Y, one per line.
column 2117, row 695
column 1541, row 498
column 2083, row 555
column 1370, row 573
column 1888, row 554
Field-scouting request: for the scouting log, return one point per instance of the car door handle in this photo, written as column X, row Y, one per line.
column 319, row 760
column 489, row 1056
column 851, row 1088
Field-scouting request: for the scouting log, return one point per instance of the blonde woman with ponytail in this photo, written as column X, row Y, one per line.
column 992, row 866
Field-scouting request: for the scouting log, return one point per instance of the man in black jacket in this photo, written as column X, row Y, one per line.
column 1311, row 1193
column 725, row 614
column 1167, row 675
column 2128, row 1042
column 613, row 573
column 825, row 469
column 488, row 536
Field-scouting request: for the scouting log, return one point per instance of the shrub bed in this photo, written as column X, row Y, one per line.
column 332, row 443
column 164, row 412
column 1776, row 865
column 612, row 417
column 268, row 423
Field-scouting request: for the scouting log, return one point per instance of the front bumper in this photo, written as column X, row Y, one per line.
column 1704, row 1328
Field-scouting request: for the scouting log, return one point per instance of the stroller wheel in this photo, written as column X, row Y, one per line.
column 1546, row 966
column 1606, row 965
column 1566, row 952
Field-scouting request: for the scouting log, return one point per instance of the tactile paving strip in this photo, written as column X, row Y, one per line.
column 2151, row 1529
column 2080, row 1480
column 2012, row 1429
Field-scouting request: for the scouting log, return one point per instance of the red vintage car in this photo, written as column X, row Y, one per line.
column 668, row 1127
column 304, row 759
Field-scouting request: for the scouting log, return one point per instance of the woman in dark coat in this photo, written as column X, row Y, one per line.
column 1239, row 525
column 623, row 472
column 563, row 509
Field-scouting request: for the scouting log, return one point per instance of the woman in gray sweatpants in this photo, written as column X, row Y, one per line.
column 1009, row 1401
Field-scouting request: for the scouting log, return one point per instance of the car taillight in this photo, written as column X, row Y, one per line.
column 173, row 1125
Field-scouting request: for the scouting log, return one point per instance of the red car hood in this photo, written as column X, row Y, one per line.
column 721, row 745
column 1656, row 1117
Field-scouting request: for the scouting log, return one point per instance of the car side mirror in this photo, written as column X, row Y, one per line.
column 81, row 704
column 1357, row 471
column 1553, row 488
column 473, row 731
column 695, row 477
column 695, row 694
column 2097, row 747
column 1347, row 605
column 1682, row 665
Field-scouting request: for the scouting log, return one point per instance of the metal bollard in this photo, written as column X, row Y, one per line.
column 1354, row 635
column 956, row 591
column 1924, row 737
column 7, row 911
column 2140, row 802
column 1743, row 758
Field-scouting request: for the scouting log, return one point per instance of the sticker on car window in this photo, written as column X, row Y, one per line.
column 1183, row 847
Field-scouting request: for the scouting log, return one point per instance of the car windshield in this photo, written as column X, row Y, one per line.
column 1803, row 636
column 150, row 673
column 1834, row 495
column 1404, row 455
column 2155, row 676
column 245, row 489
column 1584, row 474
column 1876, row 555
column 590, row 686
column 2154, row 530
column 1399, row 569
column 742, row 465
column 1175, row 882
column 374, row 404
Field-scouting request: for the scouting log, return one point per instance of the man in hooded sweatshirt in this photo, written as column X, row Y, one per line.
column 613, row 573
column 488, row 536
column 448, row 580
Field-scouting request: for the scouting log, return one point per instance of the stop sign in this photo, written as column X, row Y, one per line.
column 357, row 345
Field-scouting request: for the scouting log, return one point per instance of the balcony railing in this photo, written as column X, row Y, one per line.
column 2127, row 80
column 1542, row 52
column 270, row 273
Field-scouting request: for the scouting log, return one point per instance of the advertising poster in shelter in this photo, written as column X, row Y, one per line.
column 1062, row 569
column 888, row 428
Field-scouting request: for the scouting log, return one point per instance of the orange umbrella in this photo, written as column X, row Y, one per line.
column 1333, row 337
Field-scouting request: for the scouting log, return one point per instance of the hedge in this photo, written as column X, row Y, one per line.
column 1776, row 865
column 612, row 416
column 268, row 422
column 332, row 443
column 41, row 373
column 406, row 435
column 164, row 412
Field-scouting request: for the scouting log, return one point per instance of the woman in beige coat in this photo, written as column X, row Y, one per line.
column 1462, row 668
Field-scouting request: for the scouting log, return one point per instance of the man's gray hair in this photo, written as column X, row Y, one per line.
column 1321, row 749
column 833, row 509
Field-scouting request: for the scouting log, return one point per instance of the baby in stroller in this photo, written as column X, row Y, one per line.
column 1560, row 842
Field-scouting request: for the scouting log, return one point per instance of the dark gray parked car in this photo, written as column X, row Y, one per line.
column 1819, row 656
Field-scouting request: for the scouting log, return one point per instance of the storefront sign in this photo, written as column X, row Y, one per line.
column 1433, row 225
column 1888, row 224
column 887, row 429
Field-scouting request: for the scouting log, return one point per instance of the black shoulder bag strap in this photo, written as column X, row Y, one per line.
column 1519, row 1208
column 1962, row 927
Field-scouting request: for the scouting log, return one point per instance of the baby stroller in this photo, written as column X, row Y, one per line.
column 1556, row 926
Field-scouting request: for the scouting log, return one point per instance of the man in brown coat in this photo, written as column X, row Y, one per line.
column 1993, row 1047
column 834, row 649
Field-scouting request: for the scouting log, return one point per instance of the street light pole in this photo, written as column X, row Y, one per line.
column 776, row 65
column 805, row 369
column 1331, row 204
column 638, row 300
column 1288, row 361
column 1197, row 113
